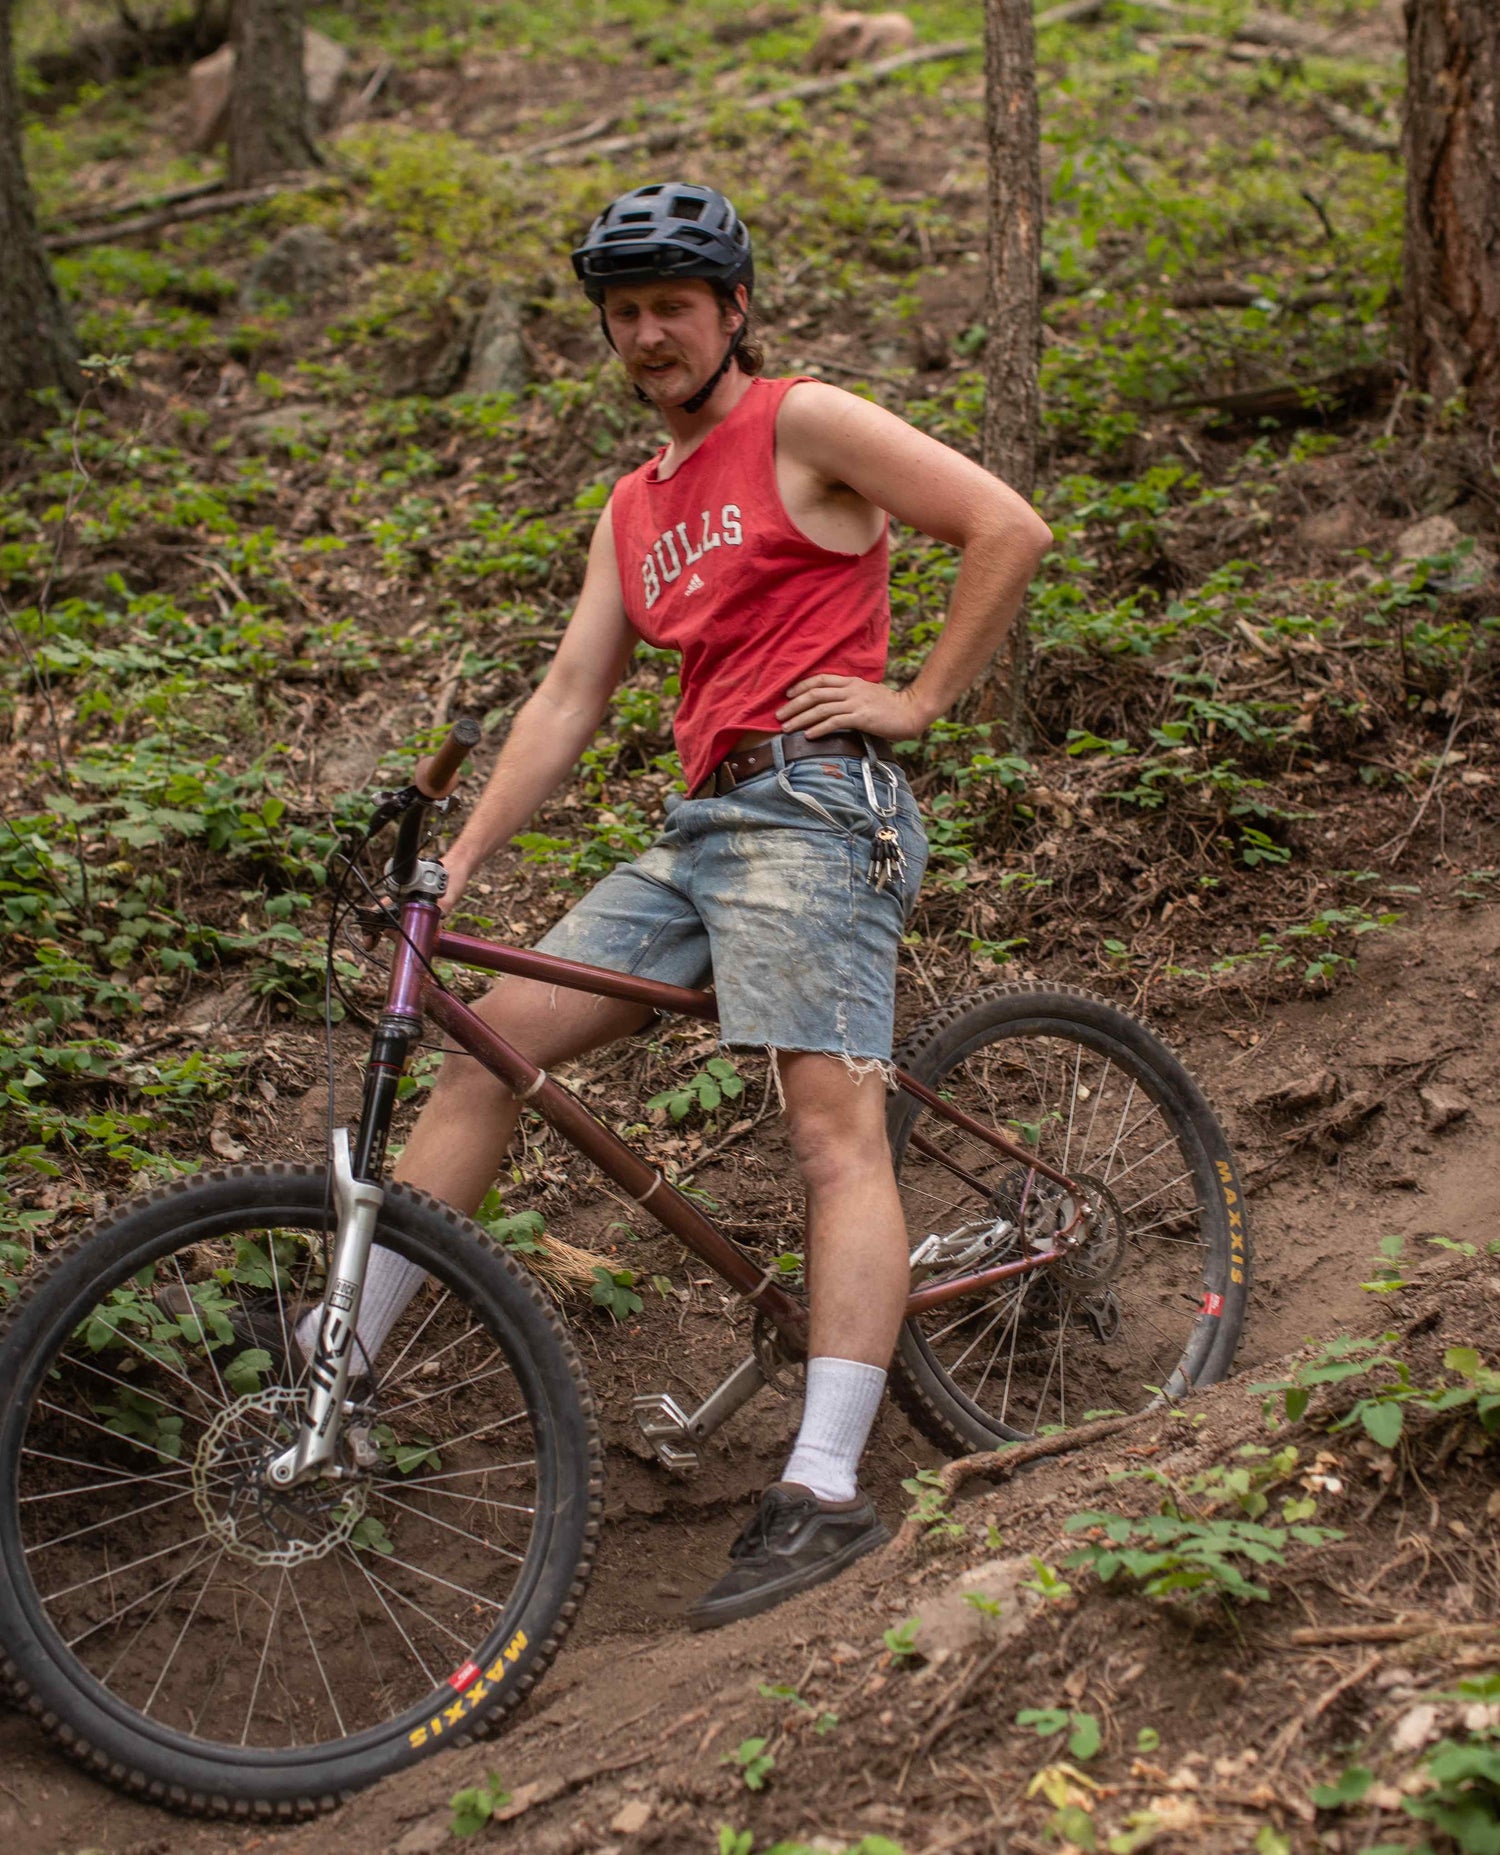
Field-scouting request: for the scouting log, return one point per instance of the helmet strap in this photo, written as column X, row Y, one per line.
column 700, row 399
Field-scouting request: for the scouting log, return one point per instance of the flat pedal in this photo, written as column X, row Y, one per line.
column 664, row 1424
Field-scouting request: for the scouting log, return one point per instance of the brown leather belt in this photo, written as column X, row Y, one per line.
column 734, row 769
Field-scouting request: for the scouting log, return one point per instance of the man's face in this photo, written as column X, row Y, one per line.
column 670, row 335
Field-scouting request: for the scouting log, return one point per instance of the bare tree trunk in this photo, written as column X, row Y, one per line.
column 36, row 341
column 1451, row 302
column 1013, row 306
column 270, row 126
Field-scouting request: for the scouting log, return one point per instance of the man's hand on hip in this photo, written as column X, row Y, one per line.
column 829, row 704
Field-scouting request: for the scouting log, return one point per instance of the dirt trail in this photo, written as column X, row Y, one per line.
column 633, row 1714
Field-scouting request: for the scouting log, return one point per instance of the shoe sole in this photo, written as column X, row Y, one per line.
column 752, row 1603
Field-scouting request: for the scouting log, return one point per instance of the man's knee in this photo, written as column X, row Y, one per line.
column 836, row 1123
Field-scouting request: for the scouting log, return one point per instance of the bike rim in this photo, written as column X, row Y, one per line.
column 1134, row 1313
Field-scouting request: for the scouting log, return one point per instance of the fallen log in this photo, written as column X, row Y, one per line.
column 187, row 209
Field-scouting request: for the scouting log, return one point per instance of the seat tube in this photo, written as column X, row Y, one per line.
column 400, row 1023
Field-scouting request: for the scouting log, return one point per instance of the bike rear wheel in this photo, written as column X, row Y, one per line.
column 225, row 1649
column 1151, row 1302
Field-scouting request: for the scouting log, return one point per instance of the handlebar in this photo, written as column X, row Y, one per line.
column 434, row 779
column 436, row 776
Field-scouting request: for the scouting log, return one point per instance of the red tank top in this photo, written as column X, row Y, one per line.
column 711, row 565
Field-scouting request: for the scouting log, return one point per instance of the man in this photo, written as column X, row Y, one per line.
column 755, row 543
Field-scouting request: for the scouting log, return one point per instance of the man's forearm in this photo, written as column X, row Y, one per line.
column 543, row 747
column 992, row 579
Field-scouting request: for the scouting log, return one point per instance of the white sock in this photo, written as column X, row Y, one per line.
column 390, row 1283
column 842, row 1399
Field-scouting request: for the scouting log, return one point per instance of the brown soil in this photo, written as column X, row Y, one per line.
column 639, row 1712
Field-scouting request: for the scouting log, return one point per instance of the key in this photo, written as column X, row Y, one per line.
column 887, row 859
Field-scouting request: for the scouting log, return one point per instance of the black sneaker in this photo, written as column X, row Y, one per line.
column 794, row 1541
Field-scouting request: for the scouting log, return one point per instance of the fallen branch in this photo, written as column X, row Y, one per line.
column 141, row 202
column 1294, row 1728
column 1319, row 1636
column 667, row 135
column 997, row 1464
column 190, row 209
column 1349, row 389
column 1356, row 128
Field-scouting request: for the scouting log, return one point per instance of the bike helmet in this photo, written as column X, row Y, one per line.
column 668, row 229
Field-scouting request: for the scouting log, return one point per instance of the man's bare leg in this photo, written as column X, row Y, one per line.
column 462, row 1133
column 857, row 1264
column 814, row 1522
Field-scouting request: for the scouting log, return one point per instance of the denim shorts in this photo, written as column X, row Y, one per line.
column 765, row 892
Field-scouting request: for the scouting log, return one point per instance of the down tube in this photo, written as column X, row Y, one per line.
column 617, row 1161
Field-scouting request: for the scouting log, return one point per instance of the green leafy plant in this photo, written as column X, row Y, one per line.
column 476, row 1805
column 715, row 1083
column 753, row 1762
column 1084, row 1736
column 901, row 1640
column 614, row 1291
column 930, row 1506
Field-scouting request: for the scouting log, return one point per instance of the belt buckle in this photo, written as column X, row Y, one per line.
column 724, row 773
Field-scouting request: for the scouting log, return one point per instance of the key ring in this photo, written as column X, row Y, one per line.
column 869, row 768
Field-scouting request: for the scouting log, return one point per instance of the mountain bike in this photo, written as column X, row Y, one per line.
column 244, row 1572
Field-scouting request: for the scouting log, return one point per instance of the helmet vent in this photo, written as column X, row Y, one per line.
column 685, row 208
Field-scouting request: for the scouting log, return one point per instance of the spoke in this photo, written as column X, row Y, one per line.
column 1013, row 1328
column 110, row 1520
column 973, row 1314
column 224, row 1398
column 119, row 1571
column 432, row 1578
column 343, row 1562
column 1173, row 1217
column 186, row 1625
column 1119, row 1131
column 140, row 1391
column 1146, row 1158
column 436, row 1622
column 427, row 1321
column 322, row 1672
column 450, row 1494
column 498, row 1423
column 97, row 1468
column 444, row 1391
column 484, row 1468
column 265, row 1650
column 204, row 1545
column 463, row 1533
column 1054, row 1359
column 1100, row 1087
column 431, row 1359
column 1181, row 1178
column 162, row 1365
column 1002, row 1309
column 135, row 1442
column 1072, row 1104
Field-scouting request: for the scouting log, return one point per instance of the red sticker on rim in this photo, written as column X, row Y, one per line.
column 1213, row 1304
column 464, row 1677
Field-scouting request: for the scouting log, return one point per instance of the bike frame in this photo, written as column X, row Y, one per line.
column 413, row 993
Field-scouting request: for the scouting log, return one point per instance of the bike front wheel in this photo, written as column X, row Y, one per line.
column 190, row 1633
column 1153, row 1299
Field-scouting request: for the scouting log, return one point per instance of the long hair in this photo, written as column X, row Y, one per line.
column 751, row 353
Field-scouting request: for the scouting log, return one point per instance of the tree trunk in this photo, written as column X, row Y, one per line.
column 36, row 341
column 1013, row 305
column 1451, row 302
column 270, row 126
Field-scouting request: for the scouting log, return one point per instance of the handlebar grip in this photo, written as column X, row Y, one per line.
column 436, row 776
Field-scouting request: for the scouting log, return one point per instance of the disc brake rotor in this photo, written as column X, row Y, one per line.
column 242, row 1512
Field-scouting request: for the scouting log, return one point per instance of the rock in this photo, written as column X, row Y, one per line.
column 299, row 266
column 630, row 1817
column 426, row 1839
column 287, row 424
column 1441, row 1107
column 1354, row 1109
column 498, row 362
column 848, row 38
column 1414, row 1729
column 1331, row 527
column 1440, row 534
column 950, row 1623
column 1315, row 1090
column 324, row 63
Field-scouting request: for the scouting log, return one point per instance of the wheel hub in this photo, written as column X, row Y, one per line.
column 232, row 1490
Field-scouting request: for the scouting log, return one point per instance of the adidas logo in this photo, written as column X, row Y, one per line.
column 694, row 585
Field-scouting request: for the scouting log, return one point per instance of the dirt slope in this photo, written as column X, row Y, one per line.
column 638, row 1713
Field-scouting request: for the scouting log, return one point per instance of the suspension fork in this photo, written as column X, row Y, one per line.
column 357, row 1198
